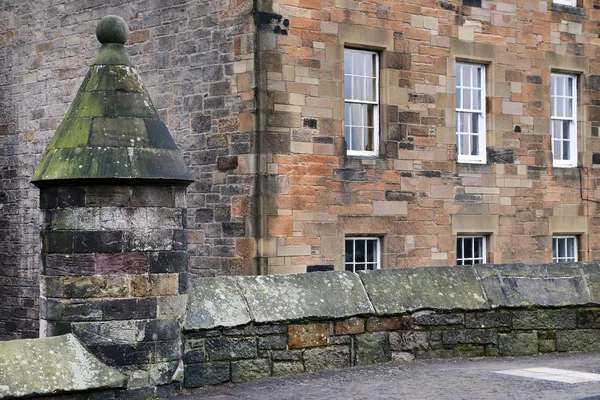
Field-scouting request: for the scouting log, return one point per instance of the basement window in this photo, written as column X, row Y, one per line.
column 471, row 250
column 362, row 253
column 564, row 249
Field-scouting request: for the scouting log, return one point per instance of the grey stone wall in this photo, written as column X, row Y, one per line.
column 189, row 54
column 282, row 325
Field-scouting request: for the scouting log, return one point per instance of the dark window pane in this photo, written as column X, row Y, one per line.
column 468, row 248
column 349, row 250
column 370, row 251
column 349, row 268
column 359, row 251
column 459, row 247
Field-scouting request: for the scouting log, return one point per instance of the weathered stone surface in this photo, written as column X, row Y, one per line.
column 219, row 349
column 198, row 375
column 491, row 319
column 272, row 342
column 215, row 302
column 327, row 358
column 308, row 335
column 427, row 318
column 250, row 370
column 375, row 324
column 589, row 318
column 520, row 285
column 518, row 344
column 287, row 368
column 409, row 340
column 318, row 294
column 44, row 366
column 395, row 291
column 578, row 340
column 545, row 319
column 350, row 326
column 471, row 336
column 372, row 348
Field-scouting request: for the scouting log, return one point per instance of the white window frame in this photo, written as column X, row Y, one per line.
column 557, row 259
column 481, row 157
column 483, row 259
column 572, row 3
column 572, row 161
column 375, row 104
column 354, row 239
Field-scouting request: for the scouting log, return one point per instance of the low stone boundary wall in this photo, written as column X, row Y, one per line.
column 247, row 328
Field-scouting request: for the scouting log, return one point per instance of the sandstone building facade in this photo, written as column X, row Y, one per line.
column 329, row 133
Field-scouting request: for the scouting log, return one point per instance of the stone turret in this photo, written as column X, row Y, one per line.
column 112, row 188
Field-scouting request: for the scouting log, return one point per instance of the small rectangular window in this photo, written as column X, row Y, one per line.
column 564, row 249
column 564, row 120
column 470, row 113
column 571, row 3
column 361, row 107
column 363, row 253
column 471, row 250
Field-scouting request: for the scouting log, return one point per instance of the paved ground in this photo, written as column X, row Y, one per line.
column 431, row 380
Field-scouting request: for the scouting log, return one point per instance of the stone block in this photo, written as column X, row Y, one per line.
column 396, row 291
column 327, row 358
column 294, row 297
column 52, row 365
column 287, row 368
column 198, row 375
column 272, row 342
column 390, row 208
column 215, row 302
column 493, row 319
column 122, row 263
column 223, row 348
column 308, row 335
column 409, row 340
column 122, row 309
column 290, row 355
column 431, row 318
column 518, row 344
column 545, row 319
column 351, row 326
column 250, row 370
column 578, row 340
column 588, row 318
column 372, row 348
column 469, row 336
column 69, row 264
column 167, row 262
column 375, row 324
column 98, row 242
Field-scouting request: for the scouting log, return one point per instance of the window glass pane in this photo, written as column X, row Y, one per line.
column 468, row 249
column 458, row 98
column 569, row 107
column 560, row 86
column 370, row 65
column 347, row 62
column 370, row 89
column 571, row 249
column 557, row 129
column 467, row 99
column 459, row 248
column 356, row 114
column 554, row 247
column 474, row 145
column 347, row 87
column 560, row 107
column 370, row 251
column 458, row 75
column 569, row 82
column 477, row 99
column 358, row 88
column 463, row 144
column 370, row 139
column 566, row 150
column 466, row 76
column 561, row 248
column 477, row 247
column 359, row 251
column 553, row 85
column 477, row 71
column 359, row 267
column 358, row 63
column 349, row 250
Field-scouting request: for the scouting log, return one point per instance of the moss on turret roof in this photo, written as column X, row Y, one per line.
column 112, row 131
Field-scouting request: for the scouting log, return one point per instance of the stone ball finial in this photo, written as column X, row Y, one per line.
column 112, row 29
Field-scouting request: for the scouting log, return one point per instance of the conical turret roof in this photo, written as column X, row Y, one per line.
column 112, row 131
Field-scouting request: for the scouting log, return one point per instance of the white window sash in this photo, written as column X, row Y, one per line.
column 377, row 262
column 481, row 158
column 557, row 259
column 375, row 104
column 572, row 161
column 565, row 2
column 471, row 257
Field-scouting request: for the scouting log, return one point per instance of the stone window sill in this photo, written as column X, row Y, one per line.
column 567, row 9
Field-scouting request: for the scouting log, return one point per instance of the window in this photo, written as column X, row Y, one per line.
column 564, row 249
column 471, row 250
column 571, row 3
column 363, row 253
column 470, row 113
column 361, row 108
column 564, row 121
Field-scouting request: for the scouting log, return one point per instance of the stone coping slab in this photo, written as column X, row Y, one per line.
column 236, row 301
column 215, row 302
column 58, row 364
